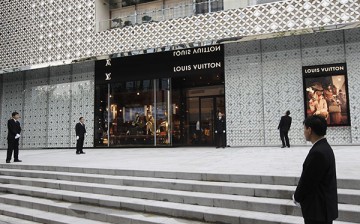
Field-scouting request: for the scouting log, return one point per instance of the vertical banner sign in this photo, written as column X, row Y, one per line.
column 326, row 93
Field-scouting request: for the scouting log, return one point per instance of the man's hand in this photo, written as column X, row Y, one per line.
column 17, row 136
column 295, row 202
column 215, row 131
column 77, row 137
column 223, row 131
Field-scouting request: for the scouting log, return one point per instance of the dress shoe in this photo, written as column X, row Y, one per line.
column 282, row 146
column 7, row 161
column 18, row 161
column 82, row 152
column 78, row 153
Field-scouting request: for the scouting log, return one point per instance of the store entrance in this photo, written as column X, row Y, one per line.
column 205, row 112
column 194, row 121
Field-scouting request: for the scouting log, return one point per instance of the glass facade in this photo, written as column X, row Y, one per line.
column 170, row 99
column 157, row 113
column 133, row 113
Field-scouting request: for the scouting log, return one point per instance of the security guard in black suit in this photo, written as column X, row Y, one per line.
column 284, row 127
column 220, row 129
column 13, row 137
column 80, row 135
column 317, row 188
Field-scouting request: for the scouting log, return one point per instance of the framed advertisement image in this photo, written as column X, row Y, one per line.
column 326, row 93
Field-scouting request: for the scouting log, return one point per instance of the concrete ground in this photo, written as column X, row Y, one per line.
column 272, row 161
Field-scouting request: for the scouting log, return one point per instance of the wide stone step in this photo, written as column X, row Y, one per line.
column 345, row 196
column 195, row 212
column 90, row 212
column 219, row 177
column 11, row 220
column 270, row 205
column 42, row 216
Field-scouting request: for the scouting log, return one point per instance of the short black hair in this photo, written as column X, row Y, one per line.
column 317, row 124
column 14, row 113
column 288, row 112
column 81, row 118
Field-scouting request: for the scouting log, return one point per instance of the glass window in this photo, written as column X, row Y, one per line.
column 163, row 114
column 131, row 113
column 101, row 116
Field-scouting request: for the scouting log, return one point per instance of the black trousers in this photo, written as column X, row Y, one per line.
column 13, row 145
column 316, row 222
column 284, row 138
column 220, row 140
column 79, row 145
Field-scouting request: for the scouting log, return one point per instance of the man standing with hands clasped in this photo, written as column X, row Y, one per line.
column 316, row 192
column 13, row 137
column 80, row 135
column 220, row 127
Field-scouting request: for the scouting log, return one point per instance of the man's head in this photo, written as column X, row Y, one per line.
column 314, row 127
column 15, row 115
column 82, row 119
column 287, row 112
column 219, row 114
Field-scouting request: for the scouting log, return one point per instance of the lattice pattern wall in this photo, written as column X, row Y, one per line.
column 50, row 102
column 42, row 31
column 263, row 79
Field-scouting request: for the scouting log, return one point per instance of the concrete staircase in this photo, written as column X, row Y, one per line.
column 49, row 194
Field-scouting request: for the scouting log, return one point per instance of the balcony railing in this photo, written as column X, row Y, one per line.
column 166, row 13
column 180, row 10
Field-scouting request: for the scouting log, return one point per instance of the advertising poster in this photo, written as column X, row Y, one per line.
column 326, row 93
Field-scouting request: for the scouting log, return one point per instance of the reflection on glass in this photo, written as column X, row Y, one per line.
column 163, row 136
column 131, row 113
column 101, row 116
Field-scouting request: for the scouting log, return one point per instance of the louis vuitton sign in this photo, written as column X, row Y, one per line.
column 184, row 62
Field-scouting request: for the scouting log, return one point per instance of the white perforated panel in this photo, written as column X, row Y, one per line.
column 37, row 31
column 263, row 79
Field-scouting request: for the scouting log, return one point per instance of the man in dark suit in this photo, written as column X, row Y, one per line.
column 13, row 137
column 220, row 127
column 317, row 188
column 284, row 127
column 80, row 135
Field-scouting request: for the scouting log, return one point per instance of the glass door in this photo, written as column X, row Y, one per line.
column 207, row 115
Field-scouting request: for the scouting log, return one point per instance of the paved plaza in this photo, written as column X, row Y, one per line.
column 272, row 161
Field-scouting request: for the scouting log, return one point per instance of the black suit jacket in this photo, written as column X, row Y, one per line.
column 285, row 123
column 317, row 187
column 220, row 124
column 80, row 130
column 13, row 129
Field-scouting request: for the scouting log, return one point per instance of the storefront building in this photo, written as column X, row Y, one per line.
column 171, row 99
column 170, row 96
